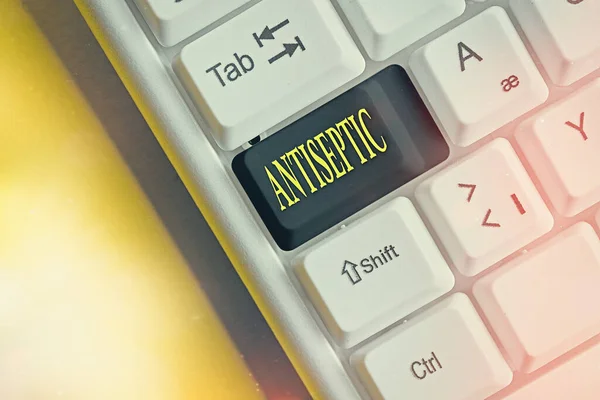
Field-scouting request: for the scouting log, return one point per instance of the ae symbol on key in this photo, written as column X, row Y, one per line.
column 510, row 83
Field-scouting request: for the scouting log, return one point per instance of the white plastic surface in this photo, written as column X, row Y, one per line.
column 445, row 353
column 484, row 208
column 388, row 26
column 478, row 76
column 175, row 20
column 546, row 302
column 562, row 144
column 375, row 272
column 577, row 380
column 564, row 34
column 245, row 80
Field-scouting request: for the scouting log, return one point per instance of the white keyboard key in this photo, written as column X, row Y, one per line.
column 562, row 144
column 577, row 379
column 175, row 20
column 484, row 208
column 445, row 353
column 478, row 77
column 245, row 79
column 374, row 273
column 387, row 26
column 564, row 34
column 546, row 302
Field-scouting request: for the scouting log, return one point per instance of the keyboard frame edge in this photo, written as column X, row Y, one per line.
column 182, row 139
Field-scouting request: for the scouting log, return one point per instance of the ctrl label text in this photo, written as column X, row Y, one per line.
column 425, row 367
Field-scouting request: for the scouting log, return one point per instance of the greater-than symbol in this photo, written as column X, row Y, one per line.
column 288, row 49
column 471, row 190
column 486, row 220
column 349, row 269
column 268, row 33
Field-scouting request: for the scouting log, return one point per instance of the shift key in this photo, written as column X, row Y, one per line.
column 340, row 158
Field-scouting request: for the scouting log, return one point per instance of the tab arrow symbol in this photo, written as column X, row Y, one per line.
column 289, row 49
column 268, row 33
column 487, row 218
column 468, row 186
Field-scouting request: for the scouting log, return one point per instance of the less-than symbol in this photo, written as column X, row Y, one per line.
column 349, row 269
column 486, row 220
column 268, row 33
column 471, row 188
column 288, row 49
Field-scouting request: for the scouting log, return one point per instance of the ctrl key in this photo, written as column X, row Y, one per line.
column 445, row 353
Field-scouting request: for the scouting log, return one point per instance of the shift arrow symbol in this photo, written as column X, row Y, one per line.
column 486, row 220
column 349, row 269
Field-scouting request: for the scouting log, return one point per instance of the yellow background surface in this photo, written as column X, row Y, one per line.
column 95, row 300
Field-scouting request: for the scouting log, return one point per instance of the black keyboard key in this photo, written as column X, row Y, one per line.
column 340, row 158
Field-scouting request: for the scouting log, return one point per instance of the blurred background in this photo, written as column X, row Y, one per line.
column 112, row 286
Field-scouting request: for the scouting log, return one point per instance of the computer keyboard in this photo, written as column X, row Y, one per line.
column 409, row 188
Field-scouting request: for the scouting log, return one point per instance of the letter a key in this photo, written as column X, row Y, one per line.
column 488, row 82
